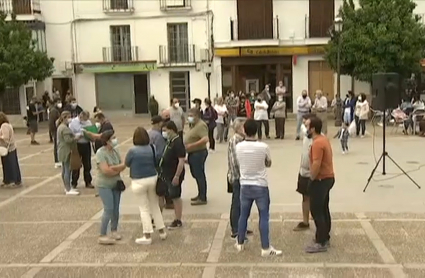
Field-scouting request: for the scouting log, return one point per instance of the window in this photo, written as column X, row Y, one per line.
column 121, row 43
column 178, row 43
column 176, row 3
column 11, row 103
column 179, row 88
column 119, row 4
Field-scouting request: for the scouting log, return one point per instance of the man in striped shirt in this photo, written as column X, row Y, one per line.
column 253, row 158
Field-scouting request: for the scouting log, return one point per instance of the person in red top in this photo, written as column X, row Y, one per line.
column 322, row 180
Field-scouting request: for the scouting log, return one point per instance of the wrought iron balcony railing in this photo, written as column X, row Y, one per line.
column 120, row 53
column 118, row 6
column 175, row 5
column 20, row 7
column 254, row 30
column 183, row 54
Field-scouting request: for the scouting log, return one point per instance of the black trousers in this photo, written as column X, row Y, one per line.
column 266, row 128
column 84, row 149
column 360, row 124
column 319, row 207
column 53, row 134
column 280, row 127
column 211, row 137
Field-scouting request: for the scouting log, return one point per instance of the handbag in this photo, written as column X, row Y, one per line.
column 4, row 151
column 75, row 159
column 120, row 186
column 229, row 186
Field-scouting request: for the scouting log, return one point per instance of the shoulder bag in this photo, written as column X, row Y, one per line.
column 120, row 185
column 161, row 186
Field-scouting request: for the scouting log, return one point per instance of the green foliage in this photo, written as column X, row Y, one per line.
column 19, row 59
column 378, row 36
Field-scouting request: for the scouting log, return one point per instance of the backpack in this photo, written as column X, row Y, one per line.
column 214, row 114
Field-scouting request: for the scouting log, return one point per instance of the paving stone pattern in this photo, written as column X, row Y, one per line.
column 44, row 233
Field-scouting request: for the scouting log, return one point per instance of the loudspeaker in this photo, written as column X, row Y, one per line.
column 385, row 91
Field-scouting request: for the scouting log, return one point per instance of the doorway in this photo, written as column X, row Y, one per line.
column 141, row 94
column 63, row 85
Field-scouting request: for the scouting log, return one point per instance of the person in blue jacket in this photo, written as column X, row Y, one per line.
column 348, row 107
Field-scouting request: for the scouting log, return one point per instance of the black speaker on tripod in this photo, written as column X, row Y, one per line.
column 386, row 91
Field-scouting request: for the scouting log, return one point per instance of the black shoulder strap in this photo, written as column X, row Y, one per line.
column 154, row 154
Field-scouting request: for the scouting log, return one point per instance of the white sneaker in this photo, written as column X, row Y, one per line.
column 143, row 240
column 163, row 235
column 362, row 136
column 58, row 165
column 72, row 192
column 239, row 247
column 271, row 252
column 343, row 152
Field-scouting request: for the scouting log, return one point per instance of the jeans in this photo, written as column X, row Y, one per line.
column 360, row 124
column 211, row 137
column 319, row 207
column 84, row 149
column 266, row 128
column 299, row 123
column 232, row 118
column 66, row 174
column 344, row 145
column 235, row 207
column 111, row 209
column 347, row 117
column 220, row 132
column 196, row 162
column 53, row 134
column 148, row 203
column 259, row 194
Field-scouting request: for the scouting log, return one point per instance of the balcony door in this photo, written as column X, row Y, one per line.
column 255, row 19
column 120, row 43
column 321, row 17
column 119, row 4
column 178, row 42
column 21, row 7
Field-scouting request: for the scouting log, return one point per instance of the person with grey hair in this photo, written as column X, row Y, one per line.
column 233, row 175
column 320, row 108
column 77, row 126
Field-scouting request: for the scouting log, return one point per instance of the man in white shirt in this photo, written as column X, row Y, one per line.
column 303, row 108
column 261, row 117
column 253, row 158
column 222, row 114
column 177, row 116
column 320, row 107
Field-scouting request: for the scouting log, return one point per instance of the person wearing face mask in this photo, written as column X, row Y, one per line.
column 279, row 110
column 33, row 113
column 348, row 106
column 73, row 107
column 198, row 103
column 261, row 117
column 361, row 114
column 210, row 116
column 110, row 166
column 55, row 112
column 232, row 105
column 177, row 115
column 320, row 107
column 303, row 108
column 195, row 141
column 77, row 126
column 66, row 141
column 102, row 124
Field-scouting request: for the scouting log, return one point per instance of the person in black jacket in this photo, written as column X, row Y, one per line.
column 73, row 107
column 54, row 115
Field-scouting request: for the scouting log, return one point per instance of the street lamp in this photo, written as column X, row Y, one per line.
column 338, row 103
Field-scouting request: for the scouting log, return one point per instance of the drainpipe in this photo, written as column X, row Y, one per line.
column 74, row 54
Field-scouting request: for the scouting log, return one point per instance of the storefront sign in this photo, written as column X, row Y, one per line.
column 270, row 51
column 105, row 68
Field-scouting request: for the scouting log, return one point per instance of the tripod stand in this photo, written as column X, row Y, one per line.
column 386, row 155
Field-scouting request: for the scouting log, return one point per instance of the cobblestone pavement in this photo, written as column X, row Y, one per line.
column 380, row 233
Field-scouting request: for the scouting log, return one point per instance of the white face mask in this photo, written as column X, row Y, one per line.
column 165, row 134
column 114, row 142
column 69, row 120
column 280, row 99
column 177, row 105
column 97, row 125
column 303, row 130
column 74, row 105
column 59, row 105
column 190, row 119
column 359, row 99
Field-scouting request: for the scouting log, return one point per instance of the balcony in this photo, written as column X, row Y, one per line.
column 118, row 7
column 182, row 55
column 254, row 30
column 175, row 5
column 120, row 53
column 20, row 7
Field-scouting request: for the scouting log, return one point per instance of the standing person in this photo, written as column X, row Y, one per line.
column 84, row 148
column 55, row 112
column 343, row 134
column 210, row 116
column 361, row 114
column 322, row 180
column 142, row 159
column 303, row 108
column 222, row 116
column 198, row 104
column 73, row 107
column 261, row 117
column 177, row 115
column 304, row 176
column 279, row 110
column 253, row 158
column 103, row 124
column 32, row 117
column 244, row 110
column 195, row 141
column 320, row 107
column 9, row 162
column 348, row 106
column 66, row 142
column 153, row 106
column 109, row 166
column 232, row 105
column 280, row 90
column 172, row 169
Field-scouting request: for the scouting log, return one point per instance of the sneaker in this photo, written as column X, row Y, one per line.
column 316, row 248
column 35, row 143
column 72, row 192
column 198, row 202
column 175, row 225
column 169, row 206
column 105, row 240
column 343, row 152
column 58, row 165
column 153, row 224
column 362, row 136
column 297, row 138
column 116, row 236
column 194, row 198
column 271, row 252
column 301, row 227
column 163, row 235
column 143, row 240
column 89, row 185
column 239, row 247
column 211, row 151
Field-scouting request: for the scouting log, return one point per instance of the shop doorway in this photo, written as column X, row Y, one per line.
column 63, row 85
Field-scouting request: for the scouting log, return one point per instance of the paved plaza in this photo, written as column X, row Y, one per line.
column 380, row 233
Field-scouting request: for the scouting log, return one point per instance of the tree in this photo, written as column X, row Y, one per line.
column 20, row 60
column 378, row 36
